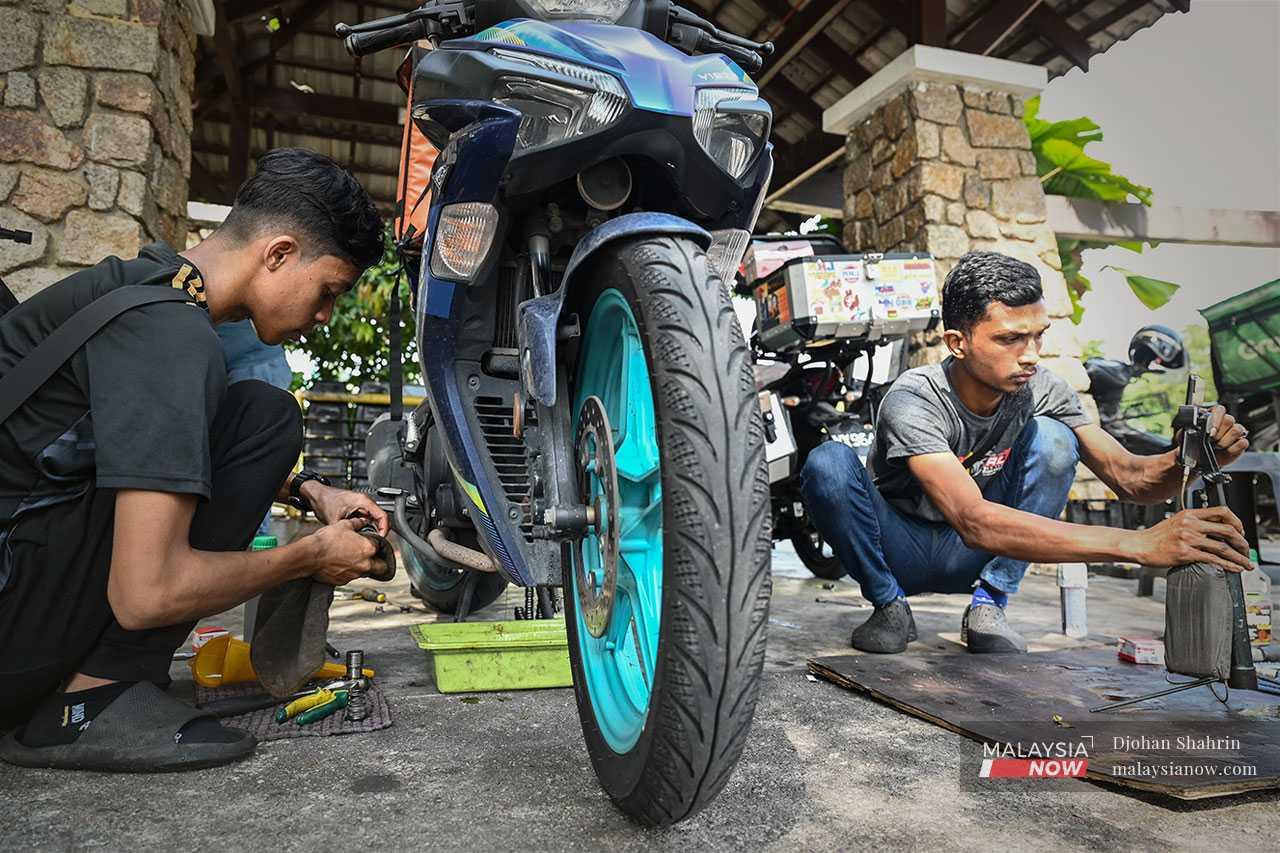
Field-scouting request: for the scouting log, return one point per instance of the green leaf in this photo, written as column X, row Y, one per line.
column 1132, row 246
column 1031, row 109
column 1152, row 292
column 1065, row 168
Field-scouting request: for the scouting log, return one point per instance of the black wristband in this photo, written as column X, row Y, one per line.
column 296, row 499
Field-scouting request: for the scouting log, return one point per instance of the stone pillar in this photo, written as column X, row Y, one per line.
column 95, row 132
column 938, row 160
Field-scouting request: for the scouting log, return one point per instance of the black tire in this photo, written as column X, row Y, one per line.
column 441, row 590
column 810, row 549
column 716, row 534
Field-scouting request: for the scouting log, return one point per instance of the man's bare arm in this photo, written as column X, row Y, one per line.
column 158, row 579
column 1139, row 479
column 1200, row 535
column 1151, row 479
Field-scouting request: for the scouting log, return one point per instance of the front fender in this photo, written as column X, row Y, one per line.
column 539, row 318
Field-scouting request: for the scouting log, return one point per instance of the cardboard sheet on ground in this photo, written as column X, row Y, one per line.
column 1187, row 745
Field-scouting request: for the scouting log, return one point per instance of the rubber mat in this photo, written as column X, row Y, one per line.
column 262, row 724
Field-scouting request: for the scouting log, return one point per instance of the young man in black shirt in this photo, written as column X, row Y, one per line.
column 132, row 481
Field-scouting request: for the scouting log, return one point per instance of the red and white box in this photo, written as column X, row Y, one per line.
column 1141, row 650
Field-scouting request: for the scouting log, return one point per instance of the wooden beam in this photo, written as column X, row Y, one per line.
column 328, row 106
column 1052, row 26
column 792, row 99
column 1009, row 48
column 225, row 41
column 821, row 43
column 368, row 168
column 238, row 10
column 207, row 186
column 216, row 88
column 803, row 28
column 1086, row 219
column 286, row 34
column 302, row 124
column 1096, row 26
column 802, row 157
column 930, row 22
column 896, row 14
column 1002, row 18
column 329, row 69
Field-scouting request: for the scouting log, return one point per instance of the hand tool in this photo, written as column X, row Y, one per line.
column 338, row 700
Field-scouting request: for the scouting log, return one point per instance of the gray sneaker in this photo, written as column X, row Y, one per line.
column 887, row 631
column 984, row 630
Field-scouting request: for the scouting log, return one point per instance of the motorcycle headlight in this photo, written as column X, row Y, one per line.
column 730, row 134
column 606, row 11
column 553, row 112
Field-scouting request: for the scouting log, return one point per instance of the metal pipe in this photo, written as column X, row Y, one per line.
column 469, row 557
column 400, row 524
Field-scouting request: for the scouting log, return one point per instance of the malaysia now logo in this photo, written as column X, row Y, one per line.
column 1037, row 760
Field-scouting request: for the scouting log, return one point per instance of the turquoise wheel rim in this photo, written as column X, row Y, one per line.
column 619, row 666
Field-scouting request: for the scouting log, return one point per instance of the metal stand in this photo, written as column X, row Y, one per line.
column 1197, row 454
column 1199, row 682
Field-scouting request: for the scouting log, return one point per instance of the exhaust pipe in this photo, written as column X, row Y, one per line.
column 436, row 549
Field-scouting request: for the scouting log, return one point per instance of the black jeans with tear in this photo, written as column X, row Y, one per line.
column 55, row 619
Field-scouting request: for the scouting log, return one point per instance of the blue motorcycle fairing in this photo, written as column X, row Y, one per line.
column 659, row 77
column 486, row 136
column 538, row 318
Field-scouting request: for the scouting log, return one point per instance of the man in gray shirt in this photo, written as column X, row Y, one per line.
column 971, row 466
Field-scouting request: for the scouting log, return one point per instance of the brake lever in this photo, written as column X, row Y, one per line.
column 681, row 15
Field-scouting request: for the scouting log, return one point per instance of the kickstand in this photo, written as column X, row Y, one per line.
column 468, row 590
column 1199, row 682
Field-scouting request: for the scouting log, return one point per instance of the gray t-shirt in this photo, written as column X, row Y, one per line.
column 921, row 414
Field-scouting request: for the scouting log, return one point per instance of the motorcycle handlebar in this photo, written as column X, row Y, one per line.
column 364, row 43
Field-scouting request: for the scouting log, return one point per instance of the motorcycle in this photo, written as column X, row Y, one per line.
column 591, row 420
column 817, row 314
column 1153, row 349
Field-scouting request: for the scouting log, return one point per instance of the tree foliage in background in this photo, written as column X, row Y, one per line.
column 1065, row 169
column 354, row 346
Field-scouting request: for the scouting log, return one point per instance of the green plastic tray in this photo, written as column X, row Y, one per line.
column 478, row 656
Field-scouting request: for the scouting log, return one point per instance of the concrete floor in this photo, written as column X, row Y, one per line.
column 824, row 769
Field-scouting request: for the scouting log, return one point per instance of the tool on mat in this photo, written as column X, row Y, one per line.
column 225, row 660
column 358, row 702
column 1197, row 642
column 335, row 701
column 234, row 706
column 369, row 595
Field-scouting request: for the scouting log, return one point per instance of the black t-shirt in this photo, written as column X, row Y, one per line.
column 131, row 409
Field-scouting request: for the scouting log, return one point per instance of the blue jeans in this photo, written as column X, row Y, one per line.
column 883, row 548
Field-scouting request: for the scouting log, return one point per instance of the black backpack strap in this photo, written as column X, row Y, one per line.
column 37, row 366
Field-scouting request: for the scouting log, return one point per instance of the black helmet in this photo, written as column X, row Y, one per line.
column 1157, row 347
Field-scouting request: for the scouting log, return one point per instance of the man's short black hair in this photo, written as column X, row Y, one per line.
column 980, row 278
column 309, row 191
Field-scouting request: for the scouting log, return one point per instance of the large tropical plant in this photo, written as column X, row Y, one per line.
column 1065, row 169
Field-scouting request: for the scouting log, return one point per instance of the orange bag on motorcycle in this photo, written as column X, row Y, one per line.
column 417, row 157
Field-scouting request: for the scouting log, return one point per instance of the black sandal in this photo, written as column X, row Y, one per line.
column 136, row 733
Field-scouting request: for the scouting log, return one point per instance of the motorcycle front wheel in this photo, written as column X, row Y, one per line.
column 667, row 596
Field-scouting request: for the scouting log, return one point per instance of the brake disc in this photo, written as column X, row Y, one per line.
column 598, row 486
